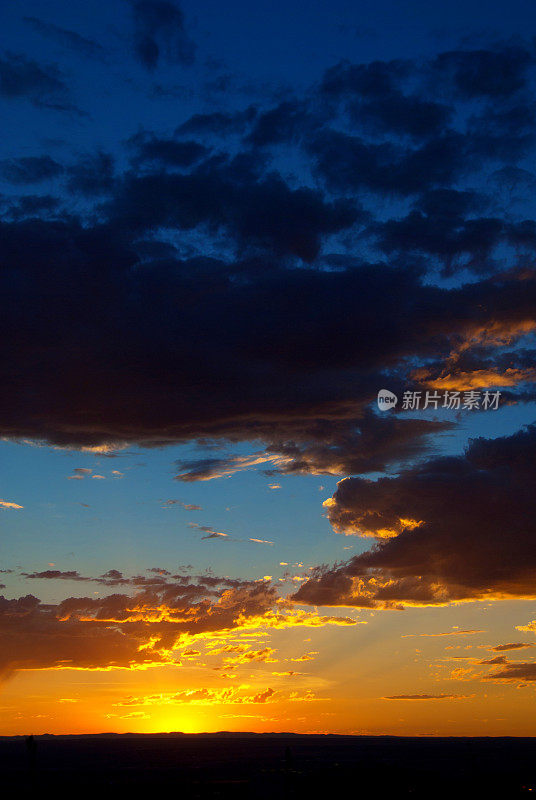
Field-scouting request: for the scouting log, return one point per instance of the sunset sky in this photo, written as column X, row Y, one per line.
column 225, row 228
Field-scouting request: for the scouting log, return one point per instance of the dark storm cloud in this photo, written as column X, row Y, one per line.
column 160, row 33
column 462, row 528
column 210, row 294
column 203, row 347
column 67, row 38
column 30, row 169
column 41, row 84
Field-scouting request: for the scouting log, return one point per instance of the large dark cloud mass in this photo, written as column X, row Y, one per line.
column 261, row 272
column 456, row 528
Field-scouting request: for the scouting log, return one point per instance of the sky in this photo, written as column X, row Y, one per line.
column 227, row 231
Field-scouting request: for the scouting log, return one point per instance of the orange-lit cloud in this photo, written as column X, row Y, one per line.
column 8, row 504
column 477, row 379
column 474, row 539
column 210, row 469
column 202, row 696
column 149, row 628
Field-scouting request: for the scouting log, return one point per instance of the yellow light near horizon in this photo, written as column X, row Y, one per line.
column 177, row 719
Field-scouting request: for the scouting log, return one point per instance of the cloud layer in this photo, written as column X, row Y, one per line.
column 208, row 292
column 150, row 624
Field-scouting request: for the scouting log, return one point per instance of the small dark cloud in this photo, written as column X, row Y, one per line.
column 209, row 531
column 351, row 163
column 374, row 99
column 79, row 473
column 217, row 123
column 496, row 73
column 425, row 697
column 91, row 175
column 185, row 506
column 494, row 661
column 160, row 34
column 42, row 85
column 206, row 469
column 453, row 240
column 288, row 122
column 166, row 152
column 34, row 205
column 519, row 671
column 364, row 80
column 30, row 169
column 56, row 574
column 67, row 38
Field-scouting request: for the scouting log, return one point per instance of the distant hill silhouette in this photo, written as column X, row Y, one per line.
column 285, row 766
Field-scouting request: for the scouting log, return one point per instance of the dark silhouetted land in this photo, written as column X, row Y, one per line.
column 283, row 766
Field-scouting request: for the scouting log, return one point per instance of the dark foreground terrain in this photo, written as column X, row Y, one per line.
column 282, row 766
